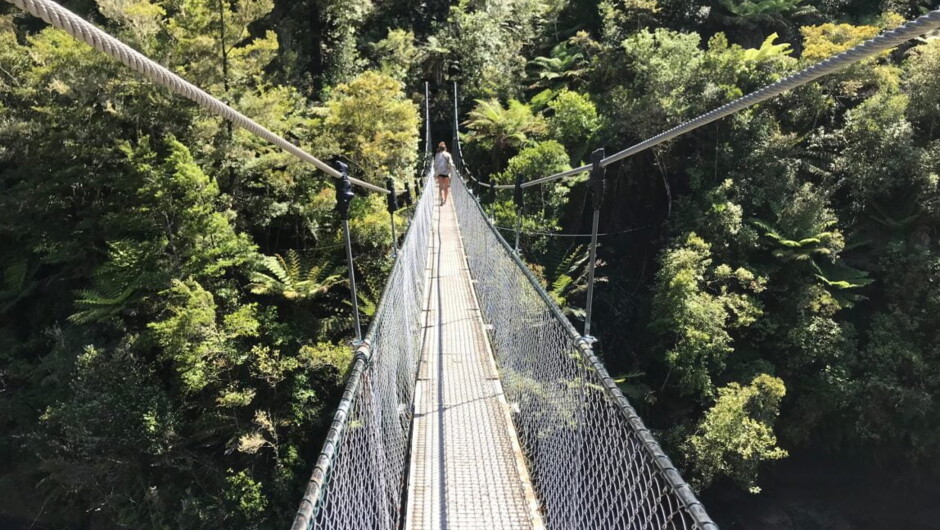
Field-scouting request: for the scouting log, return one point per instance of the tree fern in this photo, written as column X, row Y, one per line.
column 567, row 279
column 799, row 249
column 761, row 8
column 117, row 283
column 294, row 278
column 768, row 50
column 368, row 296
column 560, row 69
column 99, row 304
column 15, row 284
column 334, row 325
column 839, row 279
column 493, row 125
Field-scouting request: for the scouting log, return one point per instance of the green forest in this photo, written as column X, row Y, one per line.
column 175, row 316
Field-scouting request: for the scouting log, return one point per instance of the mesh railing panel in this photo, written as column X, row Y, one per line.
column 360, row 477
column 593, row 463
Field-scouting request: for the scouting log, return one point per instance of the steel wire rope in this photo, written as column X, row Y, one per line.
column 883, row 42
column 69, row 22
column 555, row 234
column 358, row 166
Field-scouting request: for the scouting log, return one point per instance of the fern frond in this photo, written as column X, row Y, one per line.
column 99, row 306
column 279, row 267
column 293, row 264
column 561, row 284
column 14, row 275
column 291, row 277
column 333, row 326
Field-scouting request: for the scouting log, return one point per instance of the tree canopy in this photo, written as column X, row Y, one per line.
column 174, row 316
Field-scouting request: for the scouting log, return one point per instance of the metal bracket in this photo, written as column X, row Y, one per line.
column 391, row 198
column 344, row 192
column 597, row 181
column 517, row 195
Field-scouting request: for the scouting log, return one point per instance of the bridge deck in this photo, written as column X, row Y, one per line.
column 466, row 467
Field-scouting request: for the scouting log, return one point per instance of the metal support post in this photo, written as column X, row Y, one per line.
column 519, row 200
column 406, row 198
column 344, row 196
column 596, row 184
column 427, row 120
column 392, row 208
column 456, row 141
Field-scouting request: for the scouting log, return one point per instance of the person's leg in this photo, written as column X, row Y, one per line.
column 440, row 188
column 445, row 190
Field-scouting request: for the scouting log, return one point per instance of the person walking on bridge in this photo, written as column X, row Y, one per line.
column 443, row 168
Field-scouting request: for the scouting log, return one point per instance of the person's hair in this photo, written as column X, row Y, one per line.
column 441, row 147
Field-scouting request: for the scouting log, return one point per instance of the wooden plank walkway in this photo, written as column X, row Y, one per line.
column 466, row 471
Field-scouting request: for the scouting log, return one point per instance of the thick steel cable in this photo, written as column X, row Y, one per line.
column 84, row 31
column 885, row 41
column 480, row 182
column 559, row 234
column 564, row 174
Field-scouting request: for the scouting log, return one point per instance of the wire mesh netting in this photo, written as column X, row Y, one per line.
column 360, row 476
column 593, row 463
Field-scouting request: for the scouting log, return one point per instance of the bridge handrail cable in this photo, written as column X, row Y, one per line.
column 873, row 46
column 63, row 19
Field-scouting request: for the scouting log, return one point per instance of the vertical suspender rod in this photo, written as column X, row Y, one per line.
column 596, row 184
column 344, row 196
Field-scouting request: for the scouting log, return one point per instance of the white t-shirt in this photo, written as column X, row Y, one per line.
column 443, row 163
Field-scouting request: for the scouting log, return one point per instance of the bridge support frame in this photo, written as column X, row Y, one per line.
column 519, row 200
column 597, row 185
column 392, row 206
column 455, row 141
column 344, row 196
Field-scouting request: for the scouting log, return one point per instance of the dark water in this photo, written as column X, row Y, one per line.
column 813, row 492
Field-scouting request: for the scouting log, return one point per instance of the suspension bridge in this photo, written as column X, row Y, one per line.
column 472, row 401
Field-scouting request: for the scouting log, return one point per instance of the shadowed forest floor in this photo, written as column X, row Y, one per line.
column 813, row 493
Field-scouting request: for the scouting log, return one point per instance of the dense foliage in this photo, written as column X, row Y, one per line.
column 174, row 320
column 173, row 308
column 776, row 302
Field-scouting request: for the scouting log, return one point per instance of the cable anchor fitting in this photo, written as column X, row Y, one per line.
column 344, row 192
column 392, row 197
column 406, row 197
column 519, row 200
column 517, row 197
column 597, row 182
column 344, row 196
column 392, row 201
